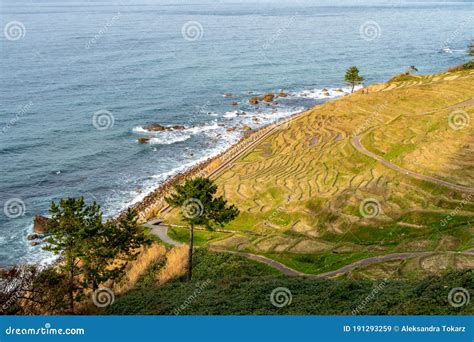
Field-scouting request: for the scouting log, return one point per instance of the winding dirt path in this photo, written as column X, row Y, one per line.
column 355, row 141
column 162, row 232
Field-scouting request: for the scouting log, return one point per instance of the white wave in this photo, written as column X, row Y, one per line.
column 202, row 128
column 169, row 139
column 451, row 51
column 325, row 93
column 231, row 114
column 140, row 129
column 190, row 130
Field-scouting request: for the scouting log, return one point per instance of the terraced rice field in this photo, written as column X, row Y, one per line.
column 309, row 199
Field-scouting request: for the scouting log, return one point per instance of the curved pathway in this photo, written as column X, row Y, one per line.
column 355, row 141
column 162, row 232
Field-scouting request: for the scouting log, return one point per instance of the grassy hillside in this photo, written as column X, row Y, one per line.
column 225, row 284
column 309, row 199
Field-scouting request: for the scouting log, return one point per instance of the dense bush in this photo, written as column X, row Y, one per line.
column 228, row 285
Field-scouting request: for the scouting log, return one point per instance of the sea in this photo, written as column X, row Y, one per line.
column 81, row 80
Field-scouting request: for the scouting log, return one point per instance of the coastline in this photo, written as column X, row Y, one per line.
column 153, row 204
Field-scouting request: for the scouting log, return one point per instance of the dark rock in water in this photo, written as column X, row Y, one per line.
column 227, row 94
column 282, row 94
column 235, row 103
column 325, row 89
column 32, row 237
column 253, row 100
column 35, row 243
column 143, row 140
column 340, row 90
column 154, row 127
column 40, row 224
column 230, row 129
column 268, row 97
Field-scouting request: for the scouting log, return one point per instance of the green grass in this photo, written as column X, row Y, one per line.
column 201, row 237
column 228, row 285
column 399, row 150
column 319, row 263
column 392, row 235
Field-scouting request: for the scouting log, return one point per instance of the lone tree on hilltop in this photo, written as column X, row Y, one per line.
column 352, row 77
column 411, row 69
column 200, row 206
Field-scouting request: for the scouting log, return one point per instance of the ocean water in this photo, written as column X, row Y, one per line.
column 81, row 79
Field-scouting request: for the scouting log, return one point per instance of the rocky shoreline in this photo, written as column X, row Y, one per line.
column 154, row 204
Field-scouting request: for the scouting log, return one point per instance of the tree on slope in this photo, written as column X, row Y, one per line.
column 200, row 206
column 353, row 78
column 92, row 251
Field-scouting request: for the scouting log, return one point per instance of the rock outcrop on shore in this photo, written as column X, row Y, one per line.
column 268, row 97
column 143, row 140
column 40, row 224
column 254, row 100
column 155, row 127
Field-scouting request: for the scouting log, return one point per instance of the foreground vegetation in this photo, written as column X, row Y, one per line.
column 224, row 284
